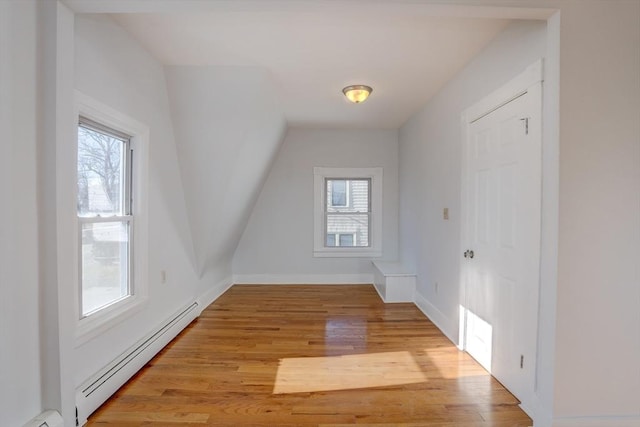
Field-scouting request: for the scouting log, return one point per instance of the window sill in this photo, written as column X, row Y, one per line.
column 95, row 324
column 346, row 253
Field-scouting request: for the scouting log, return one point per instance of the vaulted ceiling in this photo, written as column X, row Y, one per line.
column 311, row 54
column 238, row 72
column 405, row 49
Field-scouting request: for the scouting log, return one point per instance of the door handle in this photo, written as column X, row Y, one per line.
column 468, row 253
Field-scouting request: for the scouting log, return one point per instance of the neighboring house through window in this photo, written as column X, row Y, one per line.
column 348, row 212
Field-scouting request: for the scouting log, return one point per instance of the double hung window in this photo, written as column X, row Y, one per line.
column 105, row 215
column 347, row 212
column 112, row 219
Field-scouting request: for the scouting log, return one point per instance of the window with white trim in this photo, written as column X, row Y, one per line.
column 112, row 241
column 347, row 212
column 105, row 215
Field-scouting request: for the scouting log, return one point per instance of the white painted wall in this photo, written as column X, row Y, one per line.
column 113, row 69
column 430, row 167
column 228, row 128
column 598, row 299
column 278, row 240
column 590, row 375
column 598, row 324
column 20, row 385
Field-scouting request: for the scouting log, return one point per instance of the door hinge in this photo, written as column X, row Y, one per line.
column 77, row 421
column 526, row 125
column 521, row 361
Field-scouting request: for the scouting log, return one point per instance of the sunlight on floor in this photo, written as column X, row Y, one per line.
column 479, row 337
column 452, row 368
column 307, row 374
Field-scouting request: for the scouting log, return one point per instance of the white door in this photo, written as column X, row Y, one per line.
column 502, row 240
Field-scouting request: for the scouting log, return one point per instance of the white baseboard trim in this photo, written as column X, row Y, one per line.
column 436, row 316
column 375, row 286
column 303, row 279
column 633, row 421
column 214, row 293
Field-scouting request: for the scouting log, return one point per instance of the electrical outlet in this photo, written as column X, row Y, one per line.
column 445, row 213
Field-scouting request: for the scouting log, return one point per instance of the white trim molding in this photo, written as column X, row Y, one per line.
column 213, row 293
column 375, row 218
column 515, row 87
column 303, row 279
column 93, row 325
column 436, row 317
column 613, row 421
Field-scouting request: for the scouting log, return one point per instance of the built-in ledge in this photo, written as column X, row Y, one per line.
column 394, row 282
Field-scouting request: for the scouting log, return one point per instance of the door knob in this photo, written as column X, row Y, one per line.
column 470, row 254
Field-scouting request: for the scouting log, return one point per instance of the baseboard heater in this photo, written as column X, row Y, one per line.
column 97, row 389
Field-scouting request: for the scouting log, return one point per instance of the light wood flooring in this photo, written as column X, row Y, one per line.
column 311, row 356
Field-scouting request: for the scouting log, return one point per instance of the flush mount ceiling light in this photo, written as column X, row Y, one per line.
column 357, row 93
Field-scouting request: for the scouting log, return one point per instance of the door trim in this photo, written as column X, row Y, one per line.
column 516, row 87
column 530, row 80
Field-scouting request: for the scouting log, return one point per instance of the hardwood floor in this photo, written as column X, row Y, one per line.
column 311, row 355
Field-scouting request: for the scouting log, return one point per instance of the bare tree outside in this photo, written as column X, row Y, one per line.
column 99, row 172
column 104, row 232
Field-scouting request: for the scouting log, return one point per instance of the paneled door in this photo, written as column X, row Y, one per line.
column 501, row 239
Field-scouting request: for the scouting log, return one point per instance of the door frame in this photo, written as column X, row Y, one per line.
column 529, row 80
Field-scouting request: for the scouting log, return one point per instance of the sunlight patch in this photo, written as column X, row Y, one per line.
column 307, row 374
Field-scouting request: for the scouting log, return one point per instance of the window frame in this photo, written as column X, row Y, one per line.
column 124, row 216
column 375, row 175
column 98, row 321
column 337, row 237
column 346, row 193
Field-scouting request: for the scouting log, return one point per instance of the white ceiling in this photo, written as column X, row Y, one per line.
column 405, row 53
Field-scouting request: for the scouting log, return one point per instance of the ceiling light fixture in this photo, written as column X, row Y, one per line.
column 357, row 93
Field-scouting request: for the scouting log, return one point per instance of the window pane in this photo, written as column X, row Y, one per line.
column 349, row 224
column 100, row 173
column 331, row 239
column 104, row 262
column 337, row 192
column 346, row 240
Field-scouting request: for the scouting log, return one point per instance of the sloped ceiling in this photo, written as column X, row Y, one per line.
column 228, row 128
column 311, row 54
column 239, row 72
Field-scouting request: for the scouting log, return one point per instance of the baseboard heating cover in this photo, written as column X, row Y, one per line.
column 97, row 389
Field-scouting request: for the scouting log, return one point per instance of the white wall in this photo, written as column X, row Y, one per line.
column 590, row 372
column 598, row 299
column 20, row 370
column 228, row 128
column 430, row 167
column 597, row 381
column 430, row 170
column 278, row 240
column 113, row 69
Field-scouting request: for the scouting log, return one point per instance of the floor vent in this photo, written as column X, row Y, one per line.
column 97, row 389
